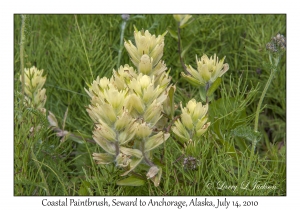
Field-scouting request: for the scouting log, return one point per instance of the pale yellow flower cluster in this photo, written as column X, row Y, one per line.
column 146, row 55
column 192, row 122
column 208, row 70
column 182, row 19
column 126, row 108
column 34, row 82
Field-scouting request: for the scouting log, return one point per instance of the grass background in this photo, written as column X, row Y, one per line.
column 43, row 165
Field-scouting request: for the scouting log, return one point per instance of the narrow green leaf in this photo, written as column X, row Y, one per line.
column 191, row 80
column 229, row 148
column 137, row 17
column 171, row 97
column 202, row 93
column 173, row 34
column 214, row 86
column 187, row 23
column 186, row 49
column 131, row 181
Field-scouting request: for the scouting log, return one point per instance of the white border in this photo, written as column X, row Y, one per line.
column 141, row 7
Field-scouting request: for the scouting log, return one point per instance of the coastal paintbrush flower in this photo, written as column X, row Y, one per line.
column 103, row 158
column 145, row 44
column 152, row 172
column 123, row 120
column 123, row 76
column 192, row 122
column 144, row 87
column 39, row 99
column 96, row 90
column 108, row 106
column 146, row 55
column 34, row 82
column 127, row 107
column 153, row 113
column 115, row 98
column 122, row 116
column 143, row 131
column 145, row 65
column 195, row 110
column 208, row 70
column 122, row 160
column 154, row 141
column 182, row 19
column 135, row 105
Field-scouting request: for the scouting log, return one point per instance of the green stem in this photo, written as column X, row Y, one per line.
column 22, row 40
column 121, row 42
column 179, row 49
column 144, row 154
column 262, row 98
column 273, row 71
column 117, row 146
column 87, row 58
column 206, row 90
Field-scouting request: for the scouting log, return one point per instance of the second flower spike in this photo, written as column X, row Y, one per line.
column 192, row 122
column 208, row 70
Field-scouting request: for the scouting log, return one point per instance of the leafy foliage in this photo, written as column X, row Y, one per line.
column 44, row 165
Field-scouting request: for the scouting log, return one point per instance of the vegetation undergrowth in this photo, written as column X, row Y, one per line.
column 74, row 50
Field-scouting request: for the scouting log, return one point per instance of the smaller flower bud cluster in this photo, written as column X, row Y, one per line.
column 277, row 42
column 192, row 123
column 34, row 82
column 182, row 19
column 208, row 70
